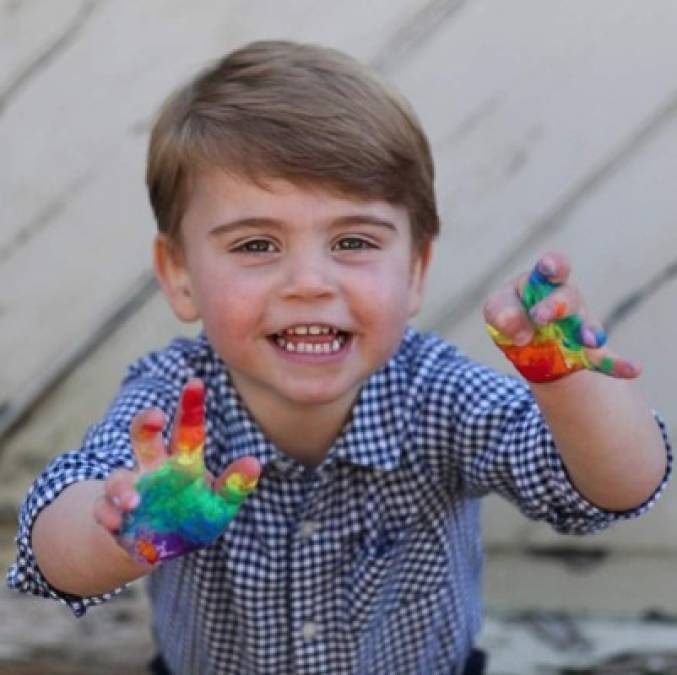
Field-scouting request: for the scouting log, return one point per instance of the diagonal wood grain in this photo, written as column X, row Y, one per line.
column 74, row 245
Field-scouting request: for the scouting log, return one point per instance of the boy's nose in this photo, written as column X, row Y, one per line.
column 308, row 276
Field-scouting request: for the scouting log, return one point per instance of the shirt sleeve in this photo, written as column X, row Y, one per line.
column 154, row 381
column 501, row 443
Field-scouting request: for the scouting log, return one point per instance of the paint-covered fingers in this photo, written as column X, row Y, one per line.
column 146, row 436
column 564, row 305
column 561, row 302
column 549, row 297
column 505, row 312
column 549, row 272
column 554, row 266
column 606, row 362
column 238, row 480
column 119, row 498
column 509, row 310
column 188, row 434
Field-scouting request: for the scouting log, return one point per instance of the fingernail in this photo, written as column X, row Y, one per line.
column 522, row 338
column 115, row 501
column 594, row 338
column 134, row 500
column 540, row 314
column 629, row 369
column 506, row 317
column 547, row 266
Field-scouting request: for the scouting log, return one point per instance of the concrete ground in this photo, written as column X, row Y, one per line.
column 115, row 639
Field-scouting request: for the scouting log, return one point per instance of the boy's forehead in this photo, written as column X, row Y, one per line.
column 215, row 189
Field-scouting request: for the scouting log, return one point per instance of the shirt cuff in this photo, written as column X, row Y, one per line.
column 25, row 575
column 581, row 516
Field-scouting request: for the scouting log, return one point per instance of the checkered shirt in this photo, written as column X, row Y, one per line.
column 369, row 563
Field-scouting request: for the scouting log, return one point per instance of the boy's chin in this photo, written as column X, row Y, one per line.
column 323, row 397
column 310, row 394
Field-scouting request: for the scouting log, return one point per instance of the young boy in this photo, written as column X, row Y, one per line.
column 294, row 199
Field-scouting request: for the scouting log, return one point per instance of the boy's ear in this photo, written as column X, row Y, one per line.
column 173, row 277
column 419, row 274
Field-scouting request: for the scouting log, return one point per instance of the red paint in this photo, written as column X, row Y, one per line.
column 541, row 362
column 192, row 404
column 149, row 429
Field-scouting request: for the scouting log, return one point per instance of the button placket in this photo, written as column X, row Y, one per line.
column 308, row 528
column 305, row 561
column 310, row 630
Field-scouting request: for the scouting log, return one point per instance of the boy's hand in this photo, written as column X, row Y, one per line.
column 171, row 504
column 541, row 324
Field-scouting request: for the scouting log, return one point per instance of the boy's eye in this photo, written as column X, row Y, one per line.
column 353, row 244
column 255, row 246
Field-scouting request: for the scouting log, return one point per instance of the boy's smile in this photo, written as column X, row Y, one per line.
column 302, row 292
column 311, row 340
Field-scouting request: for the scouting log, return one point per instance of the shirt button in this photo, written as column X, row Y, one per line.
column 309, row 630
column 308, row 528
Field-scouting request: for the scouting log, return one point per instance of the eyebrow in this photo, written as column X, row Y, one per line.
column 342, row 221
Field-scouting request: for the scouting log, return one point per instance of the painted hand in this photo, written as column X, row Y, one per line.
column 181, row 507
column 540, row 324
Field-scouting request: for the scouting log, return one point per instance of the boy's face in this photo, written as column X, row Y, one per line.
column 302, row 293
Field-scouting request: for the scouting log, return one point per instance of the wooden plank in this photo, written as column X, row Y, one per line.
column 620, row 239
column 76, row 226
column 59, row 420
column 527, row 105
column 32, row 33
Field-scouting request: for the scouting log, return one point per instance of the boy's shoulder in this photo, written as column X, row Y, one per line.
column 427, row 356
column 431, row 365
column 180, row 360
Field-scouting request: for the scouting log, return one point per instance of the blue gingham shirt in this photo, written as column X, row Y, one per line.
column 369, row 563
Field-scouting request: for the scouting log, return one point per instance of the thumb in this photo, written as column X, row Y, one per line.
column 239, row 480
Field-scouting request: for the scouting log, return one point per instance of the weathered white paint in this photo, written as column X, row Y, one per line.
column 525, row 103
column 551, row 117
column 75, row 224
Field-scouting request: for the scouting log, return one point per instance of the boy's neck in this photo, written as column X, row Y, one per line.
column 304, row 432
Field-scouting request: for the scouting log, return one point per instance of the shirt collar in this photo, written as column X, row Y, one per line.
column 372, row 438
column 374, row 435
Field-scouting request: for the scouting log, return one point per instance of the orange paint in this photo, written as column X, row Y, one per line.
column 147, row 551
column 560, row 310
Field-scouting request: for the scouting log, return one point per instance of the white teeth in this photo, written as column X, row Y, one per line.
column 309, row 329
column 311, row 347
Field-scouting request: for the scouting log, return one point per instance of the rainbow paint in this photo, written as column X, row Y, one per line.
column 180, row 511
column 557, row 349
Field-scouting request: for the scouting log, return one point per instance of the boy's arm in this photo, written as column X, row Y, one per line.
column 168, row 506
column 608, row 439
column 153, row 381
column 73, row 551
